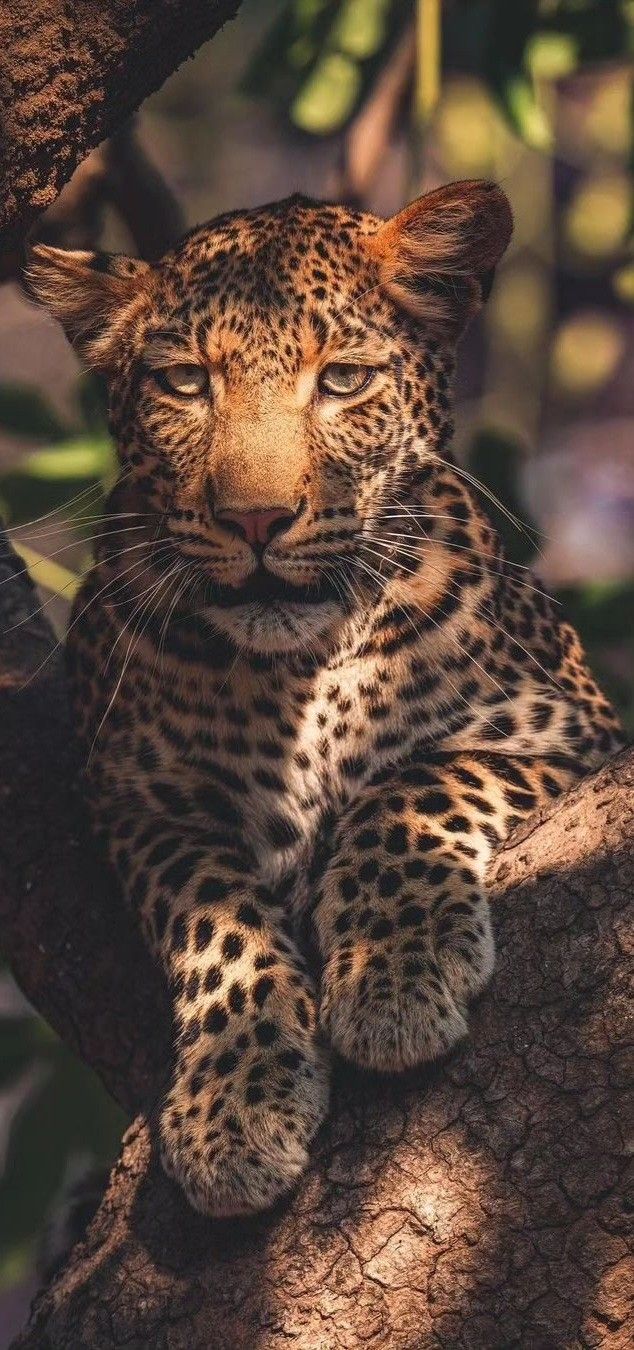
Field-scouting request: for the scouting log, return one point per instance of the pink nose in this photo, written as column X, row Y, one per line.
column 257, row 527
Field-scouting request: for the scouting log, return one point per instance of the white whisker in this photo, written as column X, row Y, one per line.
column 158, row 587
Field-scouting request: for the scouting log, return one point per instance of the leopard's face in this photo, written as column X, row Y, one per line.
column 279, row 390
column 276, row 375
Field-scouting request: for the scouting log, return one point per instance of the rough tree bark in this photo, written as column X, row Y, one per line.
column 70, row 75
column 481, row 1204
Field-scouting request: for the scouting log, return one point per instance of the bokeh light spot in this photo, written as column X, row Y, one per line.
column 598, row 217
column 586, row 352
column 551, row 56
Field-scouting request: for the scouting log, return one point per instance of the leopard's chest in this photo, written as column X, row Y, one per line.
column 286, row 756
column 297, row 766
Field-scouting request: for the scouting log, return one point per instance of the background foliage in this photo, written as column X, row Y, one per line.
column 372, row 100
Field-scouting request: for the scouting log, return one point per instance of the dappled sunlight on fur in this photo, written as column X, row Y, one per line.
column 313, row 696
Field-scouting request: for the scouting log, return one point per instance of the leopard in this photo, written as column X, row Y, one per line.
column 312, row 693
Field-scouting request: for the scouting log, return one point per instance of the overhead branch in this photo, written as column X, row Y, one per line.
column 120, row 174
column 71, row 75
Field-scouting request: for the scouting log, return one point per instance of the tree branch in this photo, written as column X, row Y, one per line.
column 477, row 1204
column 70, row 75
column 60, row 916
column 118, row 172
column 141, row 196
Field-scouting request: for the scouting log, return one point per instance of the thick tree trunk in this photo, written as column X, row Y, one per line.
column 480, row 1204
column 70, row 75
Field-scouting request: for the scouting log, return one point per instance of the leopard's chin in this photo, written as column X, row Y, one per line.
column 269, row 614
column 280, row 627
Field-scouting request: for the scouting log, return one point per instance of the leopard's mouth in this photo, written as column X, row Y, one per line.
column 265, row 589
column 268, row 614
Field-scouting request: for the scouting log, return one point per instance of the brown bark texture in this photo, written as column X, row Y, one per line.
column 71, row 72
column 478, row 1204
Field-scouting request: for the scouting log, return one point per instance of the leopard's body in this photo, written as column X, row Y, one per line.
column 323, row 769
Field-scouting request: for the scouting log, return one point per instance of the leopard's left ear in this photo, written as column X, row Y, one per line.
column 437, row 257
column 93, row 296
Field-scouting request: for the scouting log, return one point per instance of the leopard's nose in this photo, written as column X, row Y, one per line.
column 258, row 527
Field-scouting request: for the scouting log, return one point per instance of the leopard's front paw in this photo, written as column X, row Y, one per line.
column 396, row 995
column 389, row 1015
column 242, row 1143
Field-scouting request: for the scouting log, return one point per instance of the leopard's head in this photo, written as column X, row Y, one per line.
column 280, row 389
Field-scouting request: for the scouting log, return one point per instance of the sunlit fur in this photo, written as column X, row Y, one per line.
column 326, row 741
column 228, row 299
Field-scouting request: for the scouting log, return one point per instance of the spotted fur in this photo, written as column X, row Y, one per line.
column 315, row 745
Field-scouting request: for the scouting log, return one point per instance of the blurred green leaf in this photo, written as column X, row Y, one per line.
column 47, row 479
column 291, row 45
column 517, row 45
column 605, row 611
column 53, row 576
column 361, row 27
column 329, row 96
column 319, row 58
column 33, row 1172
column 83, row 457
column 524, row 112
column 24, row 412
column 27, row 498
column 623, row 283
column 15, row 1264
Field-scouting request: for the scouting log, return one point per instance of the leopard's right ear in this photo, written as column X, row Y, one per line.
column 437, row 257
column 93, row 295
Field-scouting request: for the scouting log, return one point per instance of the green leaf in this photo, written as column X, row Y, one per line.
column 602, row 616
column 83, row 457
column 361, row 28
column 292, row 44
column 24, row 412
column 15, row 1264
column 525, row 113
column 623, row 283
column 329, row 96
column 49, row 478
column 53, row 576
column 319, row 58
column 517, row 45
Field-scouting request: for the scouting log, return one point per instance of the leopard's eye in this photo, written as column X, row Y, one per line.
column 342, row 378
column 183, row 378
